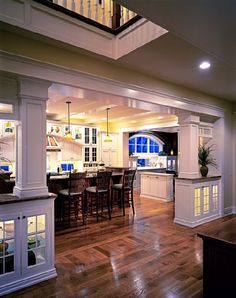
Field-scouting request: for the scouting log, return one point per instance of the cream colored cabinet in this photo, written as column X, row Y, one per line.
column 71, row 150
column 27, row 244
column 8, row 148
column 157, row 185
column 109, row 150
column 110, row 157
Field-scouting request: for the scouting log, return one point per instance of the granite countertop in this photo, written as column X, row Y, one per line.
column 199, row 179
column 156, row 174
column 10, row 198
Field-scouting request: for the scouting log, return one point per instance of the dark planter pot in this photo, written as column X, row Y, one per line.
column 204, row 171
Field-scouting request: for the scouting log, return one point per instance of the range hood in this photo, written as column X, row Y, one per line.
column 52, row 144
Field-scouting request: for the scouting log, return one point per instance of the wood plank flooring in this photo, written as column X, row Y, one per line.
column 145, row 255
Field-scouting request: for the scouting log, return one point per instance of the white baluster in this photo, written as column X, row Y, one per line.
column 72, row 5
column 121, row 15
column 89, row 9
column 133, row 14
column 126, row 15
column 103, row 12
column 64, row 3
column 109, row 24
column 96, row 10
column 81, row 7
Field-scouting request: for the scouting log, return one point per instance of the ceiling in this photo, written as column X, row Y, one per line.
column 198, row 30
column 89, row 107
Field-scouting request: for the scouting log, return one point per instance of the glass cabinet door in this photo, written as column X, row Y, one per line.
column 36, row 229
column 94, row 136
column 9, row 248
column 86, row 135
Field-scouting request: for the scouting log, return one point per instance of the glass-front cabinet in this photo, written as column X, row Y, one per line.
column 90, row 148
column 90, row 136
column 26, row 244
column 9, row 255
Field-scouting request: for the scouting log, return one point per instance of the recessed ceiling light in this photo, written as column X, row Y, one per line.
column 204, row 65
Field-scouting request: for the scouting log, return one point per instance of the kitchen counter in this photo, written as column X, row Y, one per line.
column 157, row 185
column 10, row 198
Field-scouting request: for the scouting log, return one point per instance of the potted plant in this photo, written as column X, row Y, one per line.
column 205, row 158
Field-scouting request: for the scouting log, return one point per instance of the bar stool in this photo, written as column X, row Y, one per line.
column 99, row 195
column 124, row 189
column 72, row 199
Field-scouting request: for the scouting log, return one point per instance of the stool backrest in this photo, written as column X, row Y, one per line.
column 76, row 182
column 128, row 178
column 103, row 180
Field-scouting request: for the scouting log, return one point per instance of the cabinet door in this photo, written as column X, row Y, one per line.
column 162, row 188
column 9, row 248
column 145, row 184
column 86, row 135
column 35, row 241
column 94, row 136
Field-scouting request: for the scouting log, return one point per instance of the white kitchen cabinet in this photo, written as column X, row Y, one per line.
column 70, row 150
column 110, row 157
column 90, row 135
column 110, row 150
column 27, row 243
column 8, row 147
column 157, row 185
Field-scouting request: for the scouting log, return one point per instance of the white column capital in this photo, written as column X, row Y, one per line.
column 33, row 88
column 188, row 118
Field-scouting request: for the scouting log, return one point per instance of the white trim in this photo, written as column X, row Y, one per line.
column 62, row 75
column 229, row 210
column 28, row 281
column 196, row 223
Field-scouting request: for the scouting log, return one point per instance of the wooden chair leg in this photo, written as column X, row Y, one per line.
column 132, row 201
column 123, row 202
column 108, row 206
column 97, row 199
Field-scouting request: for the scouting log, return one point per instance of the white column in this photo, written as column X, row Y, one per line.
column 30, row 139
column 188, row 146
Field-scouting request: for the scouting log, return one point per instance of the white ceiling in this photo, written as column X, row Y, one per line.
column 198, row 30
column 89, row 107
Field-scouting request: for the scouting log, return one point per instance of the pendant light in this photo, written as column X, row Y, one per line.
column 68, row 133
column 107, row 138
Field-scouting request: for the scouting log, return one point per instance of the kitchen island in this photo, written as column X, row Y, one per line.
column 156, row 185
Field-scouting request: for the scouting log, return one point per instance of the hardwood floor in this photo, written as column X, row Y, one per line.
column 145, row 255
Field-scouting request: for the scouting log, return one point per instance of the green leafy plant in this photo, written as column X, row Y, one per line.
column 205, row 156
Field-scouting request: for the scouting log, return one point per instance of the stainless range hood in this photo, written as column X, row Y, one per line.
column 52, row 144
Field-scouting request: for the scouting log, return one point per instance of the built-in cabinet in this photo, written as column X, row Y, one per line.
column 109, row 150
column 197, row 200
column 157, row 185
column 90, row 150
column 26, row 243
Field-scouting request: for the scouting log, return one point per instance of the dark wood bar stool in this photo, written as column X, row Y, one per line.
column 98, row 196
column 125, row 189
column 72, row 199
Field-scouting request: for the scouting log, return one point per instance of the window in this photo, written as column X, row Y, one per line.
column 145, row 144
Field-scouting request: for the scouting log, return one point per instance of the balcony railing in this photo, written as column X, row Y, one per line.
column 105, row 14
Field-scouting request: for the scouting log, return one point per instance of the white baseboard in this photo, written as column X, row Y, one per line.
column 26, row 282
column 230, row 210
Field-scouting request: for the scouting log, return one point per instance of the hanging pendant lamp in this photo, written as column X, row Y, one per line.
column 107, row 138
column 68, row 135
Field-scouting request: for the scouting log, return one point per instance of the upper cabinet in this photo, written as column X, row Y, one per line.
column 90, row 135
